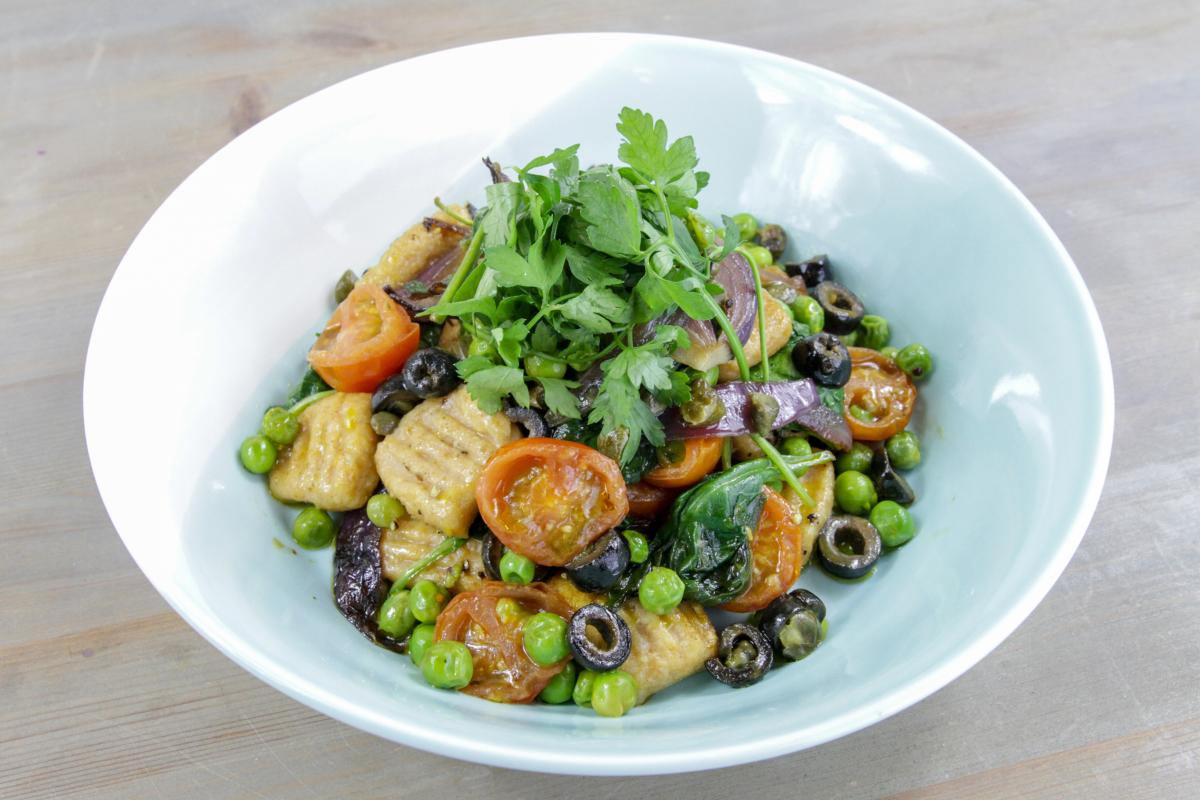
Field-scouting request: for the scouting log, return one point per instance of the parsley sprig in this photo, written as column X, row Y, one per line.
column 565, row 263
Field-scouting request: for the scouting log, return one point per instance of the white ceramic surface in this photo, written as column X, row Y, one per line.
column 207, row 319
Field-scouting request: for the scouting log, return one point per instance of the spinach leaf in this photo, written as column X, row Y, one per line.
column 310, row 383
column 707, row 536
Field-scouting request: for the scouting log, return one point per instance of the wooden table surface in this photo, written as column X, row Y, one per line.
column 1092, row 108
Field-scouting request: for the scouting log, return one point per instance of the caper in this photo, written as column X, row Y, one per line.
column 705, row 407
column 384, row 422
column 671, row 453
column 612, row 444
column 345, row 285
column 764, row 410
column 783, row 292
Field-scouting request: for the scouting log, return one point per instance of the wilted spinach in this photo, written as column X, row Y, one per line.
column 310, row 383
column 707, row 536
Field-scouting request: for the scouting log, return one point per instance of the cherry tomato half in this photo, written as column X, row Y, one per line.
column 700, row 457
column 503, row 671
column 778, row 550
column 368, row 338
column 879, row 396
column 648, row 502
column 548, row 499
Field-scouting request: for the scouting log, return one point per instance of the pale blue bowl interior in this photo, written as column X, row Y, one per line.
column 929, row 236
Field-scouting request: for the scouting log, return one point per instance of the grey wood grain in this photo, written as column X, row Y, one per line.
column 1093, row 108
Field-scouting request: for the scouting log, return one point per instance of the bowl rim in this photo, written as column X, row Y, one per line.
column 498, row 753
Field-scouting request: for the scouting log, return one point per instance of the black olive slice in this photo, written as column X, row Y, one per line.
column 598, row 567
column 744, row 656
column 615, row 634
column 813, row 271
column 774, row 238
column 823, row 358
column 849, row 546
column 792, row 623
column 530, row 420
column 492, row 550
column 391, row 397
column 430, row 373
column 843, row 310
column 889, row 484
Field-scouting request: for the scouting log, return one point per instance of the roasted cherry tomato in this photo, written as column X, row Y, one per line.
column 489, row 622
column 778, row 550
column 648, row 502
column 879, row 397
column 700, row 457
column 548, row 499
column 368, row 338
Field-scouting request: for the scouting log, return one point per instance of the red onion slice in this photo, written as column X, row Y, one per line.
column 733, row 275
column 798, row 402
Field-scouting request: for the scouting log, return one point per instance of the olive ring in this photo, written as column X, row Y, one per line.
column 843, row 310
column 849, row 546
column 730, row 666
column 612, row 629
column 491, row 551
column 530, row 420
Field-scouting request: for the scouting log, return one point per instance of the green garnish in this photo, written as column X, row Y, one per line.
column 571, row 261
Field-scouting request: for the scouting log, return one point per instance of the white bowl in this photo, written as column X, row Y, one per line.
column 211, row 310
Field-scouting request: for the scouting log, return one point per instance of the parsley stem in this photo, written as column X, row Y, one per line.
column 764, row 366
column 440, row 551
column 785, row 472
column 464, row 267
column 437, row 201
column 739, row 356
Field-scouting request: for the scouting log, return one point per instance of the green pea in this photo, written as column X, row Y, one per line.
column 395, row 617
column 660, row 590
column 344, row 286
column 861, row 414
column 561, row 686
column 482, row 346
column 510, row 612
column 258, row 454
column 854, row 492
column 545, row 638
column 904, row 451
column 582, row 693
column 889, row 352
column 639, row 548
column 280, row 426
column 614, row 693
column 809, row 312
column 915, row 360
column 747, row 226
column 758, row 255
column 858, row 459
column 703, row 231
column 427, row 599
column 795, row 446
column 894, row 523
column 383, row 510
column 447, row 665
column 419, row 641
column 539, row 366
column 873, row 332
column 516, row 568
column 313, row 529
